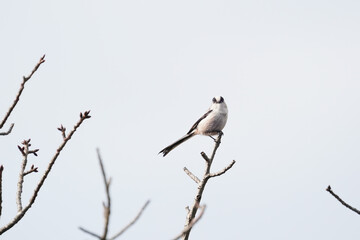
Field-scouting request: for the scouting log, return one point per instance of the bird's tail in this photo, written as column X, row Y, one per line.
column 166, row 150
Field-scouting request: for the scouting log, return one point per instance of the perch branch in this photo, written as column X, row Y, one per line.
column 22, row 213
column 341, row 201
column 25, row 79
column 192, row 211
column 192, row 223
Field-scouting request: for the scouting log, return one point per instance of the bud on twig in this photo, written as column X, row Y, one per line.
column 85, row 115
column 62, row 129
column 26, row 142
column 34, row 152
column 21, row 149
column 34, row 169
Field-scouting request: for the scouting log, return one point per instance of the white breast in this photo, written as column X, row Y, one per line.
column 215, row 121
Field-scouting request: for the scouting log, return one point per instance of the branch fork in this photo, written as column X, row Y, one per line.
column 25, row 151
column 107, row 205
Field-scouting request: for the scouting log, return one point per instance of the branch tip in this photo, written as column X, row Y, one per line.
column 205, row 156
column 191, row 175
column 342, row 201
column 17, row 98
column 34, row 152
column 62, row 129
column 223, row 171
column 8, row 131
column 23, row 210
column 21, row 149
column 85, row 115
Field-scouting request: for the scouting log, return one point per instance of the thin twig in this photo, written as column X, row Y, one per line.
column 107, row 205
column 192, row 223
column 341, row 201
column 1, row 173
column 122, row 230
column 25, row 79
column 132, row 222
column 192, row 176
column 21, row 214
column 8, row 131
column 224, row 170
column 31, row 170
column 62, row 129
column 206, row 158
column 25, row 152
column 90, row 233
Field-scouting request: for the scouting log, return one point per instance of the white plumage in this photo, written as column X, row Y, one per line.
column 211, row 123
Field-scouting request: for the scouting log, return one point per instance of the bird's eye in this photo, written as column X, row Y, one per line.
column 214, row 100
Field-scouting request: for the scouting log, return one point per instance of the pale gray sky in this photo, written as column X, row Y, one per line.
column 147, row 70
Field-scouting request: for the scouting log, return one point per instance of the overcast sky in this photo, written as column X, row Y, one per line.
column 147, row 70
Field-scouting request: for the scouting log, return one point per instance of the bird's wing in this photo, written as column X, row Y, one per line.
column 198, row 121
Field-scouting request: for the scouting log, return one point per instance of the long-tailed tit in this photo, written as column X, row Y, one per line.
column 211, row 123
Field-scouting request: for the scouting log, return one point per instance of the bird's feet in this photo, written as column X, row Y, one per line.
column 219, row 133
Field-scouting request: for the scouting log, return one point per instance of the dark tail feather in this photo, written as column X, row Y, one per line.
column 166, row 150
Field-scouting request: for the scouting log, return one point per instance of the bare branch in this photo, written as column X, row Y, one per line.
column 107, row 206
column 90, row 233
column 22, row 213
column 192, row 211
column 31, row 170
column 132, row 222
column 1, row 173
column 122, row 230
column 224, row 170
column 25, row 79
column 342, row 201
column 192, row 223
column 42, row 60
column 25, row 153
column 8, row 131
column 191, row 175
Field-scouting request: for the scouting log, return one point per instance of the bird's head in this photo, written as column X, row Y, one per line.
column 218, row 99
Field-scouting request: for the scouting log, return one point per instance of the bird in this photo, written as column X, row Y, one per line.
column 211, row 123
